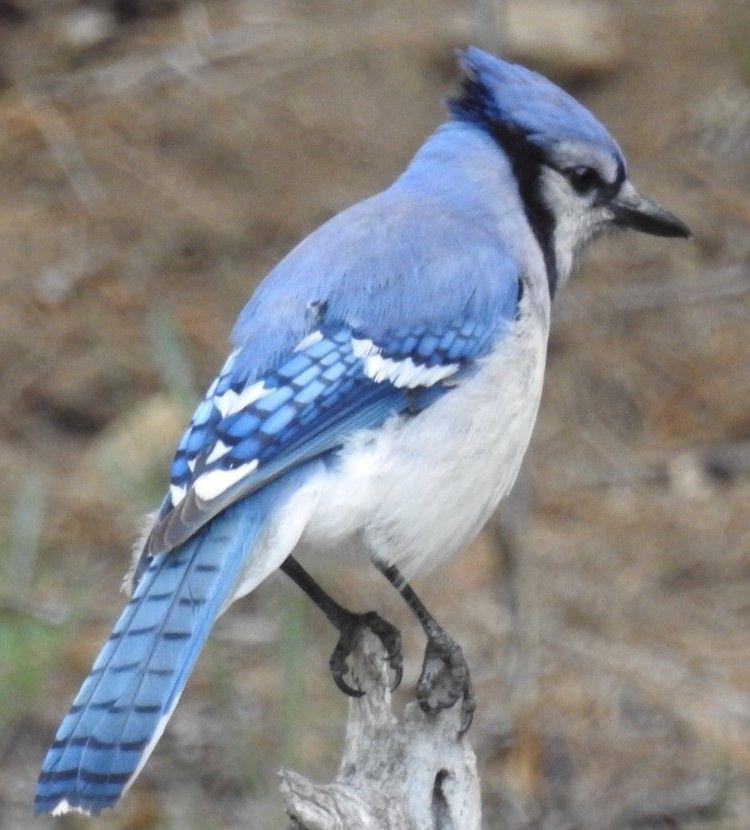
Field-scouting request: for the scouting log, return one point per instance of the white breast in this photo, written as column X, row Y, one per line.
column 417, row 491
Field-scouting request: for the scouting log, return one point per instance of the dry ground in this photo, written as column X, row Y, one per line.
column 150, row 179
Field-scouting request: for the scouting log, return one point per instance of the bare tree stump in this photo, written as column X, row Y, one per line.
column 414, row 774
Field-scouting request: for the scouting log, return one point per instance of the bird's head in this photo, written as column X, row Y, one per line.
column 571, row 173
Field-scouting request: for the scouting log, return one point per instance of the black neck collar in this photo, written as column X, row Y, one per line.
column 527, row 162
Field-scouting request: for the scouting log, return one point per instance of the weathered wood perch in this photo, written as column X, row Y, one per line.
column 414, row 774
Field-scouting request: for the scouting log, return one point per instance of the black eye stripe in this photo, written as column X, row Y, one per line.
column 584, row 179
column 621, row 174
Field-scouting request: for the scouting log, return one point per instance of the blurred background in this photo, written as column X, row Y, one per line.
column 156, row 158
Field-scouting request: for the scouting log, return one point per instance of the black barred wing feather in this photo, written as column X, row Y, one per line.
column 337, row 380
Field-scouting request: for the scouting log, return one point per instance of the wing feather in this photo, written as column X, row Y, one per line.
column 335, row 381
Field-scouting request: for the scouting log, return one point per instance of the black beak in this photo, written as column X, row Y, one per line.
column 631, row 210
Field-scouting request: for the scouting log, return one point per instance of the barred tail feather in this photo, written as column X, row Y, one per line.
column 127, row 699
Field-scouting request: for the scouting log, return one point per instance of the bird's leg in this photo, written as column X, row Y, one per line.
column 445, row 674
column 349, row 625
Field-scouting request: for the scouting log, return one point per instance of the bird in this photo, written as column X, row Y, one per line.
column 378, row 401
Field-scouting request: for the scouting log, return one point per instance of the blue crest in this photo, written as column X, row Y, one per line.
column 512, row 97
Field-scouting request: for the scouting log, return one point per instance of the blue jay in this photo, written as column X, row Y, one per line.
column 379, row 399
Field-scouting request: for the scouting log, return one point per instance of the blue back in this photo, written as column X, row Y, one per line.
column 400, row 259
column 405, row 270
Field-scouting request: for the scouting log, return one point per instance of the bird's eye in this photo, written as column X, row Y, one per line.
column 584, row 179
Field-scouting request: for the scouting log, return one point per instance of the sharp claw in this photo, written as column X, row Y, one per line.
column 388, row 636
column 339, row 668
column 399, row 670
column 396, row 661
column 445, row 679
column 466, row 719
column 338, row 679
column 467, row 712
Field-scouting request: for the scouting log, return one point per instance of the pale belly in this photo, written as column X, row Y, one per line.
column 417, row 491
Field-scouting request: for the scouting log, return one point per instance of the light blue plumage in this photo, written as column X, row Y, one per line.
column 379, row 399
column 544, row 114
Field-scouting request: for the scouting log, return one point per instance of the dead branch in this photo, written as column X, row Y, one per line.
column 413, row 774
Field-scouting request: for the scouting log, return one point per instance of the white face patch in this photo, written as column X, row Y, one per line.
column 577, row 220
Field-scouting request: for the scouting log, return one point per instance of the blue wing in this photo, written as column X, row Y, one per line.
column 378, row 312
column 248, row 431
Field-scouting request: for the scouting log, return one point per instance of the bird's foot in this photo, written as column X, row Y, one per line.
column 350, row 628
column 445, row 678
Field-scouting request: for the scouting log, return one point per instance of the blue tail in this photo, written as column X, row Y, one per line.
column 124, row 704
